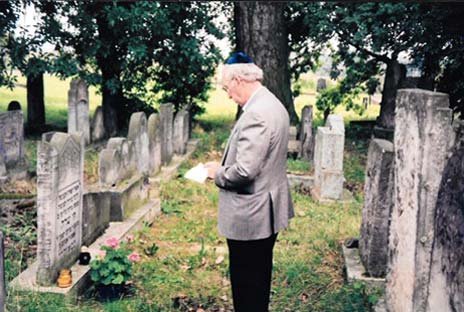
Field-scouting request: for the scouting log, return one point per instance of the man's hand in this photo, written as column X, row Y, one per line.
column 212, row 167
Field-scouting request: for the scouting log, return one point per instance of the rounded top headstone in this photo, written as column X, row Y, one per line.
column 14, row 105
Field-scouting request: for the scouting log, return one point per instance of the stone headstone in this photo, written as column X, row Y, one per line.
column 166, row 121
column 328, row 161
column 78, row 108
column 186, row 130
column 138, row 133
column 321, row 84
column 306, row 134
column 12, row 138
column 60, row 172
column 292, row 133
column 335, row 122
column 376, row 211
column 117, row 161
column 422, row 134
column 154, row 137
column 446, row 286
column 14, row 105
column 97, row 126
column 2, row 275
column 178, row 140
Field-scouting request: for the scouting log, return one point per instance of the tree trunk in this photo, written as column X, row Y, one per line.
column 35, row 102
column 261, row 32
column 395, row 73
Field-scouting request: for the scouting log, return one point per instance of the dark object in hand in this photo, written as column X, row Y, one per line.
column 84, row 258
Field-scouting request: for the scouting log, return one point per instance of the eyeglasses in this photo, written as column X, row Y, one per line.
column 226, row 86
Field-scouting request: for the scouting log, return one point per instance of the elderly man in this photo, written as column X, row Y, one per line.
column 254, row 198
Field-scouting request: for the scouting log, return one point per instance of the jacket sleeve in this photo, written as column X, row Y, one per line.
column 252, row 147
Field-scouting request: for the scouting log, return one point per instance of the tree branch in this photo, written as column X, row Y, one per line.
column 381, row 57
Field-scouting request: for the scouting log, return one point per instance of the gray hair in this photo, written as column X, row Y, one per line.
column 245, row 71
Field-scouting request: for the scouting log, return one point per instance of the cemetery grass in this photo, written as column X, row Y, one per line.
column 184, row 260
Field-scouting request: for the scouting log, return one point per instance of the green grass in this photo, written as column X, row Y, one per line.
column 185, row 263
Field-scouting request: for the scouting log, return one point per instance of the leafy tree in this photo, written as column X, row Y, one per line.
column 9, row 14
column 123, row 45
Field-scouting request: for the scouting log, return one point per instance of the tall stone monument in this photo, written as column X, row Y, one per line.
column 422, row 142
column 138, row 133
column 78, row 108
column 60, row 168
column 179, row 142
column 306, row 150
column 166, row 112
column 376, row 211
column 12, row 138
column 328, row 160
column 154, row 138
column 97, row 126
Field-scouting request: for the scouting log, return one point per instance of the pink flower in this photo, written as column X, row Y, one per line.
column 101, row 255
column 112, row 242
column 134, row 257
column 130, row 238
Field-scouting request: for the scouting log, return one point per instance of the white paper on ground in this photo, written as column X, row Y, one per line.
column 198, row 173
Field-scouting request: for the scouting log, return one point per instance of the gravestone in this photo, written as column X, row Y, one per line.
column 60, row 168
column 97, row 126
column 166, row 121
column 186, row 129
column 138, row 134
column 328, row 160
column 446, row 287
column 306, row 134
column 2, row 275
column 421, row 139
column 376, row 211
column 117, row 161
column 321, row 84
column 178, row 140
column 12, row 138
column 14, row 105
column 154, row 138
column 78, row 108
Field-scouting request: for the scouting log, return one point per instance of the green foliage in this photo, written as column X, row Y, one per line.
column 298, row 166
column 114, row 265
column 331, row 97
column 9, row 14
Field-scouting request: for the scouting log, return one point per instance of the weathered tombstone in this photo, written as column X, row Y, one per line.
column 186, row 131
column 12, row 138
column 2, row 275
column 109, row 166
column 365, row 102
column 138, row 133
column 321, row 84
column 97, row 126
column 306, row 134
column 78, row 108
column 3, row 172
column 328, row 160
column 14, row 105
column 178, row 140
column 446, row 286
column 378, row 188
column 154, row 137
column 60, row 168
column 421, row 139
column 166, row 121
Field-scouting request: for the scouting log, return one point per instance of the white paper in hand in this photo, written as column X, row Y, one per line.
column 198, row 173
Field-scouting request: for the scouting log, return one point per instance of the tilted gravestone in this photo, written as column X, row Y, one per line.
column 179, row 145
column 78, row 108
column 117, row 161
column 154, row 138
column 97, row 126
column 421, row 139
column 166, row 120
column 12, row 138
column 376, row 211
column 446, row 286
column 60, row 168
column 2, row 275
column 321, row 84
column 138, row 133
column 328, row 160
column 306, row 134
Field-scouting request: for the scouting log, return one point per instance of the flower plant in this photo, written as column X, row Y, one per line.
column 113, row 265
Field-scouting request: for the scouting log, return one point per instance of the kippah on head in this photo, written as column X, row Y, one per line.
column 239, row 58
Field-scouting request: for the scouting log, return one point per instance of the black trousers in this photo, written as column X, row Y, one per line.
column 250, row 266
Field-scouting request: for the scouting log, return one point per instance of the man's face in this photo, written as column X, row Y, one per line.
column 233, row 89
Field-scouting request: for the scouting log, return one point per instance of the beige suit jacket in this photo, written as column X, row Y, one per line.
column 254, row 196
